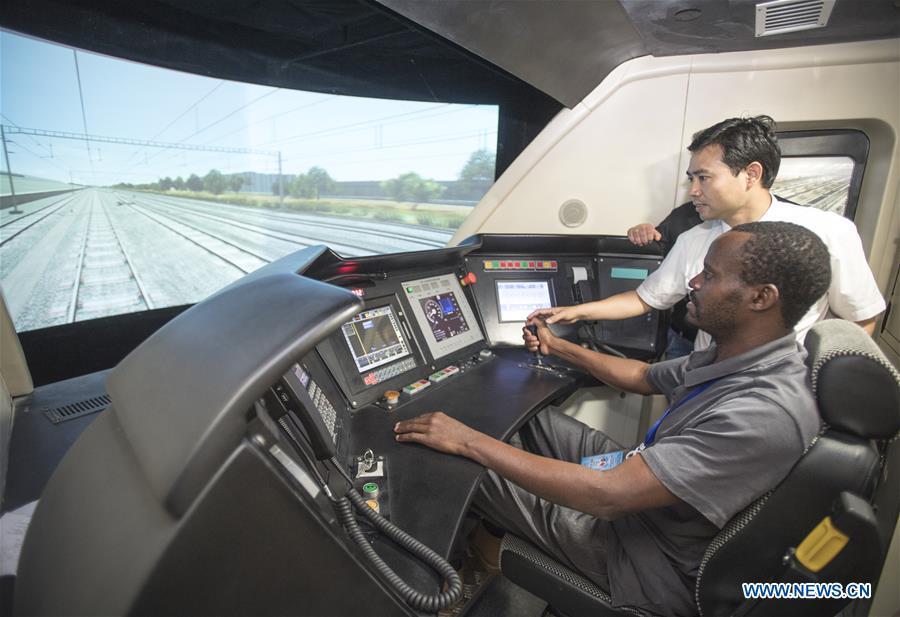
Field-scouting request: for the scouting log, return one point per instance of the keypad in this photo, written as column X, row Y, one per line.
column 387, row 372
column 325, row 408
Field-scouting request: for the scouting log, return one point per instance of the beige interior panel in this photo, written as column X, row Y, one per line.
column 13, row 367
column 622, row 150
column 598, row 155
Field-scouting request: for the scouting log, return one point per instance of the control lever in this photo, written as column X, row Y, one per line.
column 538, row 356
column 537, row 361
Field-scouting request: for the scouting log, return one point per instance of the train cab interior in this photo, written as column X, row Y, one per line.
column 233, row 452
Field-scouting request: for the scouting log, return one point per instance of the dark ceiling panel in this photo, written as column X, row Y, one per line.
column 335, row 46
column 562, row 48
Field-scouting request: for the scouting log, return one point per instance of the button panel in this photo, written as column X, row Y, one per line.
column 414, row 388
column 443, row 374
column 387, row 372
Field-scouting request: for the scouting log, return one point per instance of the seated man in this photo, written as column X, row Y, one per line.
column 741, row 414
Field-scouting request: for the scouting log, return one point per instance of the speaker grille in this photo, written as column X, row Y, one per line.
column 573, row 213
column 782, row 16
column 77, row 410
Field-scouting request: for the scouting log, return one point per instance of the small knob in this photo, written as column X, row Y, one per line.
column 468, row 279
column 370, row 490
column 391, row 397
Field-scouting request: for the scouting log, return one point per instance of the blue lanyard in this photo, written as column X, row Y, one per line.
column 651, row 434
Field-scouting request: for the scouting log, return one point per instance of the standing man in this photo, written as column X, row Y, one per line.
column 733, row 165
column 741, row 414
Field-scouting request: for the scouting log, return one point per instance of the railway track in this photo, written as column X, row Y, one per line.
column 299, row 241
column 824, row 195
column 241, row 258
column 11, row 229
column 423, row 237
column 106, row 281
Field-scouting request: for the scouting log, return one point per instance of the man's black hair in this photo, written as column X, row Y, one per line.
column 792, row 258
column 744, row 140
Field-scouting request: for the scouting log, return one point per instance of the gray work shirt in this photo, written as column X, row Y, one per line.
column 717, row 452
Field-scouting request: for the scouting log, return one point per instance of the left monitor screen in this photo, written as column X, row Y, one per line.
column 374, row 338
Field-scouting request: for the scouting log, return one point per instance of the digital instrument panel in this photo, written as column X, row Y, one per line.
column 510, row 287
column 374, row 338
column 428, row 318
column 443, row 314
column 516, row 299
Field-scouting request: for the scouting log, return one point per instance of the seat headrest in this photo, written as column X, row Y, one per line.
column 856, row 387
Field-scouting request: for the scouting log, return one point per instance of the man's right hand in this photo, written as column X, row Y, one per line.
column 556, row 314
column 543, row 340
column 643, row 234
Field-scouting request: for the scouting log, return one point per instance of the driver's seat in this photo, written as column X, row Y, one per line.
column 830, row 520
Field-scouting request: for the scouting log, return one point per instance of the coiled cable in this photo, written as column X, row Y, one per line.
column 420, row 601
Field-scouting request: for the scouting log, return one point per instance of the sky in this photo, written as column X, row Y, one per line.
column 352, row 138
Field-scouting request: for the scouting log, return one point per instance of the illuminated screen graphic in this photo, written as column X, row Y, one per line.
column 374, row 338
column 444, row 316
column 517, row 299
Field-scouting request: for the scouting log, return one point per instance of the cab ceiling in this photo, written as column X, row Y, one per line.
column 565, row 48
column 472, row 51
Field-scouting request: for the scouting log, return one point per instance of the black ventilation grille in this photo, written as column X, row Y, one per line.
column 77, row 410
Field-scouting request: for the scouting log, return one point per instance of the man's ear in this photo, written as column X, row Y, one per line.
column 765, row 297
column 754, row 173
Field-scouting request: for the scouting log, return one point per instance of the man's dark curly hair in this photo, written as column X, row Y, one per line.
column 792, row 258
column 743, row 141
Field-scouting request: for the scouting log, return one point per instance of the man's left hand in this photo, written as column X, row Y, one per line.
column 439, row 431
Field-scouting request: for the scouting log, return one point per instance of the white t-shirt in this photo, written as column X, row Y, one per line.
column 853, row 294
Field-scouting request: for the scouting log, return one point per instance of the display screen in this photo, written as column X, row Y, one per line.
column 517, row 299
column 444, row 315
column 374, row 338
column 438, row 304
column 301, row 374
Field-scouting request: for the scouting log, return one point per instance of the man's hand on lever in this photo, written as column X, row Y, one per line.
column 542, row 337
column 557, row 314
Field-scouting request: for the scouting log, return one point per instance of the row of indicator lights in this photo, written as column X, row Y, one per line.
column 520, row 265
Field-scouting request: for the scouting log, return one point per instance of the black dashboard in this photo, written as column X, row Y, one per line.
column 235, row 430
column 442, row 330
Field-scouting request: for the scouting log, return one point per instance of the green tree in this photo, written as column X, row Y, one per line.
column 214, row 182
column 194, row 183
column 477, row 175
column 235, row 182
column 165, row 183
column 412, row 187
column 299, row 187
column 178, row 183
column 311, row 184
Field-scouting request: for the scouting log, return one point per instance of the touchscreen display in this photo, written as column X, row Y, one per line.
column 374, row 338
column 444, row 315
column 517, row 299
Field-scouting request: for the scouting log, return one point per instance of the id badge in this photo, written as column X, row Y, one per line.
column 603, row 462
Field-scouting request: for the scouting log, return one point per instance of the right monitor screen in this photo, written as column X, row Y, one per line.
column 517, row 299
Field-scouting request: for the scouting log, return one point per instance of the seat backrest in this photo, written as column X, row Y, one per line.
column 858, row 394
column 15, row 380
